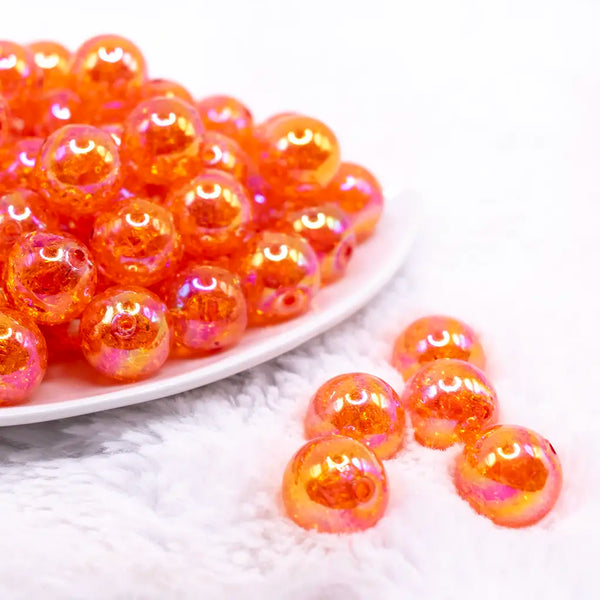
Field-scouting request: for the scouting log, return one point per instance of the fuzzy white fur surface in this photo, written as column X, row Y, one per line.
column 492, row 114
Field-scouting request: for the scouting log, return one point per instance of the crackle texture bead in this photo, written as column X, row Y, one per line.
column 55, row 109
column 449, row 401
column 327, row 229
column 207, row 309
column 360, row 406
column 79, row 170
column 125, row 333
column 228, row 116
column 50, row 277
column 280, row 275
column 136, row 243
column 335, row 484
column 53, row 61
column 22, row 211
column 64, row 340
column 210, row 211
column 162, row 141
column 359, row 194
column 155, row 88
column 17, row 163
column 225, row 154
column 434, row 337
column 510, row 474
column 297, row 154
column 23, row 357
column 19, row 75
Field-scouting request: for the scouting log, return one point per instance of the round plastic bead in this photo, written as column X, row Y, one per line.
column 162, row 141
column 207, row 309
column 125, row 333
column 280, row 276
column 430, row 338
column 227, row 116
column 64, row 340
column 53, row 61
column 50, row 277
column 19, row 75
column 115, row 130
column 335, row 484
column 165, row 87
column 510, row 474
column 79, row 170
column 4, row 121
column 327, row 229
column 449, row 401
column 136, row 243
column 23, row 357
column 55, row 109
column 17, row 163
column 360, row 406
column 225, row 154
column 210, row 211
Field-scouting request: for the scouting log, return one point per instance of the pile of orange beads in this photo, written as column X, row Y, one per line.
column 137, row 223
column 337, row 483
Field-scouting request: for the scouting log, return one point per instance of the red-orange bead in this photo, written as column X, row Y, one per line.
column 360, row 406
column 50, row 277
column 225, row 154
column 53, row 61
column 228, row 116
column 19, row 75
column 64, row 340
column 210, row 211
column 55, row 109
column 162, row 141
column 4, row 121
column 115, row 130
column 136, row 243
column 280, row 275
column 449, row 401
column 434, row 337
column 165, row 87
column 79, row 170
column 17, row 163
column 335, row 484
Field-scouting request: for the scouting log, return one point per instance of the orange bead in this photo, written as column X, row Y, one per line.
column 17, row 163
column 449, row 401
column 23, row 357
column 4, row 121
column 434, row 337
column 297, row 154
column 327, row 229
column 136, row 243
column 125, row 333
column 227, row 116
column 79, row 170
column 360, row 406
column 225, row 154
column 55, row 109
column 510, row 474
column 207, row 309
column 335, row 484
column 162, row 141
column 50, row 277
column 53, row 61
column 280, row 275
column 22, row 211
column 115, row 130
column 210, row 211
column 64, row 341
column 359, row 195
column 19, row 75
column 164, row 87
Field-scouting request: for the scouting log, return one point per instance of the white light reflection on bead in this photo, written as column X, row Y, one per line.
column 339, row 466
column 57, row 257
column 61, row 112
column 314, row 222
column 349, row 183
column 132, row 221
column 19, row 216
column 8, row 334
column 46, row 61
column 111, row 56
column 220, row 116
column 8, row 62
column 277, row 256
column 510, row 455
column 209, row 195
column 79, row 149
column 205, row 288
column 364, row 396
column 166, row 122
column 303, row 140
column 24, row 158
column 218, row 155
column 439, row 343
column 452, row 387
column 132, row 311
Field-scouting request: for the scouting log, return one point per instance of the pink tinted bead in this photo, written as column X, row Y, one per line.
column 17, row 163
column 57, row 108
column 228, row 116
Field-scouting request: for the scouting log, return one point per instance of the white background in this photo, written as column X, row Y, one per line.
column 491, row 111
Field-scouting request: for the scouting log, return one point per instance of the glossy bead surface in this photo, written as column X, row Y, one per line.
column 17, row 163
column 228, row 116
column 55, row 109
column 280, row 275
column 360, row 406
column 155, row 88
column 50, row 277
column 64, row 340
column 19, row 75
column 4, row 121
column 449, row 401
column 210, row 211
column 79, row 170
column 162, row 141
column 125, row 333
column 23, row 357
column 207, row 308
column 53, row 61
column 225, row 154
column 434, row 337
column 335, row 484
column 510, row 474
column 327, row 229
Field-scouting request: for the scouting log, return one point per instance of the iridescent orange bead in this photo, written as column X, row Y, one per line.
column 510, row 474
column 359, row 194
column 162, row 141
column 125, row 333
column 17, row 163
column 55, row 109
column 19, row 75
column 22, row 211
column 335, row 484
column 23, row 357
column 327, row 229
column 4, row 299
column 4, row 121
column 165, row 87
column 64, row 340
column 360, row 406
column 225, row 154
column 280, row 276
column 50, row 277
column 53, row 61
column 449, row 401
column 297, row 154
column 210, row 211
column 228, row 116
column 434, row 337
column 115, row 130
column 79, row 170
column 136, row 243
column 207, row 309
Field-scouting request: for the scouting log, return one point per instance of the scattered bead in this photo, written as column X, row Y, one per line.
column 227, row 116
column 4, row 121
column 19, row 75
column 55, row 109
column 225, row 154
column 164, row 87
column 53, row 61
column 17, row 163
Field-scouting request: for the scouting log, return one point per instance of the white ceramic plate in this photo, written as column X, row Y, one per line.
column 72, row 389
